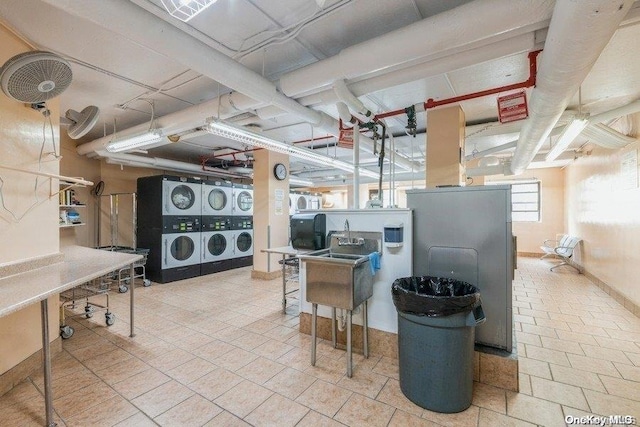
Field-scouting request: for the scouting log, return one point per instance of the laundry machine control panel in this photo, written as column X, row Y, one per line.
column 180, row 224
column 242, row 223
column 216, row 223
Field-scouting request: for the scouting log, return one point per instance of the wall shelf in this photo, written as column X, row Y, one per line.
column 71, row 225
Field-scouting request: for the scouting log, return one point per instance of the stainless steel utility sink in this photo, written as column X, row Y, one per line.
column 337, row 279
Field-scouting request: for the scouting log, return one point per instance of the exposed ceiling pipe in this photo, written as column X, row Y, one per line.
column 604, row 136
column 431, row 38
column 140, row 26
column 630, row 108
column 501, row 169
column 578, row 32
column 344, row 95
column 488, row 151
column 359, row 87
column 165, row 164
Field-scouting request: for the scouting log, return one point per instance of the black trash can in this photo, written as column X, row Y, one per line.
column 436, row 330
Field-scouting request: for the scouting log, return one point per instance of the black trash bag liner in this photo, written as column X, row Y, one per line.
column 434, row 296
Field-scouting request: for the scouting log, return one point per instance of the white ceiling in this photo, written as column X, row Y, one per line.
column 275, row 37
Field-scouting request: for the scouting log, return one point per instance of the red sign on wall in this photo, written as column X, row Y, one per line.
column 513, row 107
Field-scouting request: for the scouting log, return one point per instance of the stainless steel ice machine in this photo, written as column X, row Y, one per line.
column 465, row 233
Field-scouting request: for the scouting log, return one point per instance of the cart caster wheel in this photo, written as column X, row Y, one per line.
column 88, row 312
column 127, row 281
column 146, row 283
column 66, row 332
column 110, row 319
column 123, row 289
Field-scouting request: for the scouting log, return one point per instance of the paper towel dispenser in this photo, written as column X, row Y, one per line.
column 308, row 231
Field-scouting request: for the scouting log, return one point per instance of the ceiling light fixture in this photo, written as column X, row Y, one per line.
column 570, row 132
column 185, row 10
column 226, row 130
column 126, row 143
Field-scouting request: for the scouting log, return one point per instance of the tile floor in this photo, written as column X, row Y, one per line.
column 216, row 351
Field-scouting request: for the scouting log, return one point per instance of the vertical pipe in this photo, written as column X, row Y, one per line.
column 46, row 362
column 381, row 164
column 349, row 349
column 314, row 319
column 365, row 327
column 284, row 285
column 356, row 164
column 135, row 220
column 334, row 340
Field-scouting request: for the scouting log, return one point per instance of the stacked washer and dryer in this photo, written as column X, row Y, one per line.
column 168, row 223
column 194, row 227
column 217, row 235
column 242, row 226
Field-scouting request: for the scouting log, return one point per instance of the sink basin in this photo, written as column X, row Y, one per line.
column 337, row 279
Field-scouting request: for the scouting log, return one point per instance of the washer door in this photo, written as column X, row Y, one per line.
column 180, row 250
column 216, row 245
column 302, row 202
column 182, row 197
column 244, row 201
column 244, row 243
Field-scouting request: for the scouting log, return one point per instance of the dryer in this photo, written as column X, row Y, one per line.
column 298, row 202
column 174, row 249
column 315, row 201
column 181, row 196
column 217, row 244
column 242, row 200
column 243, row 241
column 217, row 198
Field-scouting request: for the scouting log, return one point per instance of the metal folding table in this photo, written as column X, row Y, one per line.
column 80, row 265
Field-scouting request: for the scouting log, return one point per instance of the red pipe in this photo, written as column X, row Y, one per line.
column 431, row 103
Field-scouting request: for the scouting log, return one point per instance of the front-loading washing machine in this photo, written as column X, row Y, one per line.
column 174, row 250
column 243, row 241
column 242, row 200
column 217, row 198
column 181, row 196
column 298, row 202
column 217, row 244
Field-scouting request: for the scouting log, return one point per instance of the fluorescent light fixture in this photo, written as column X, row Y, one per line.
column 132, row 142
column 185, row 10
column 226, row 130
column 300, row 182
column 570, row 132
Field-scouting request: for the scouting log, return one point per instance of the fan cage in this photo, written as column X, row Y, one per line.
column 34, row 77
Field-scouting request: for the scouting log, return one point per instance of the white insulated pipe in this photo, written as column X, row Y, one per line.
column 142, row 27
column 439, row 35
column 163, row 164
column 456, row 61
column 578, row 32
column 630, row 108
column 344, row 95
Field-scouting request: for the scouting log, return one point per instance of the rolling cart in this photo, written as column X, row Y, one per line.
column 74, row 297
column 120, row 220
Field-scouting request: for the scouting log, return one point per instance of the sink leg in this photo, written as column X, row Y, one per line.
column 365, row 332
column 314, row 321
column 349, row 359
column 334, row 340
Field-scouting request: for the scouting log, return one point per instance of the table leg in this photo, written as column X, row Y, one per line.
column 284, row 285
column 46, row 362
column 131, row 291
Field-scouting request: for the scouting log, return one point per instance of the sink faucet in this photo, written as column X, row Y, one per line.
column 347, row 229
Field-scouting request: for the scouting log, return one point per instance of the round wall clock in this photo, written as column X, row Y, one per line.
column 280, row 171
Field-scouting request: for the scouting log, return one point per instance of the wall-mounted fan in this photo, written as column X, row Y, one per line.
column 34, row 77
column 80, row 123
